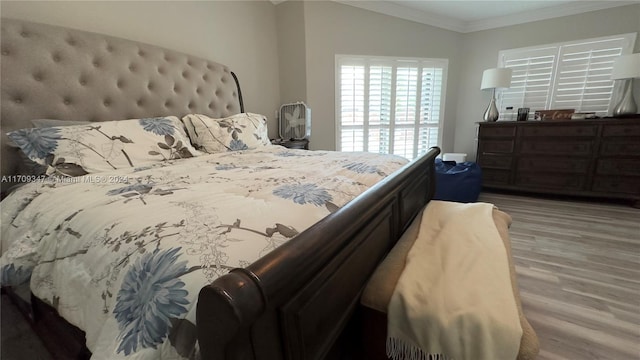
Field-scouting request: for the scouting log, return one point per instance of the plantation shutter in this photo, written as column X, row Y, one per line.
column 352, row 106
column 390, row 106
column 573, row 75
column 584, row 76
column 531, row 79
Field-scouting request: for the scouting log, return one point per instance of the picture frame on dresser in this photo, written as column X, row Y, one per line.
column 598, row 158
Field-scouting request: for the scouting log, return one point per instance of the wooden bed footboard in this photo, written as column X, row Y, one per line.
column 295, row 302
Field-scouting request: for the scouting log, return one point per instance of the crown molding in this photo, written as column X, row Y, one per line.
column 551, row 12
column 453, row 24
column 403, row 12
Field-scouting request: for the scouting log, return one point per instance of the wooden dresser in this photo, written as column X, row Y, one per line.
column 597, row 158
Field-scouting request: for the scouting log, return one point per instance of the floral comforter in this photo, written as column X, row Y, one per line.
column 123, row 255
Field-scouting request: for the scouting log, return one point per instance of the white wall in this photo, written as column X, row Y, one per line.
column 481, row 49
column 240, row 34
column 286, row 52
column 332, row 28
column 292, row 51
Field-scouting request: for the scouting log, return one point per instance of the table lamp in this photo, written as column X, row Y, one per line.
column 625, row 68
column 493, row 79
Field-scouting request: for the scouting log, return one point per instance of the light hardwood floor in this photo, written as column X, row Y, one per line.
column 578, row 266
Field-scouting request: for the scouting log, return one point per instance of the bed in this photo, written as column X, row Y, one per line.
column 294, row 297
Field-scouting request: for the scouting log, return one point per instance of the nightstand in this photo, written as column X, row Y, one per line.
column 292, row 144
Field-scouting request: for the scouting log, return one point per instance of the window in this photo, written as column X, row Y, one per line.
column 388, row 105
column 572, row 75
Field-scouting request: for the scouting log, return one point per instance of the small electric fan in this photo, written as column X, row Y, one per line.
column 295, row 121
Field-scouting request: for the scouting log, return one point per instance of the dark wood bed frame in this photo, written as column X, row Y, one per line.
column 294, row 302
column 297, row 302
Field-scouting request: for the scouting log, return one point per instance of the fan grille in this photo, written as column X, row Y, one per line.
column 295, row 121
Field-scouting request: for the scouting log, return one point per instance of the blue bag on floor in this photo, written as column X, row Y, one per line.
column 460, row 182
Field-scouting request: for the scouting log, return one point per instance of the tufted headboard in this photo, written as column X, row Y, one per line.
column 51, row 72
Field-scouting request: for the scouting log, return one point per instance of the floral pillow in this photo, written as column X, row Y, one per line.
column 245, row 131
column 104, row 146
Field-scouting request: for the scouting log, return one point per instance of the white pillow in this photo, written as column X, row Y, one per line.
column 105, row 146
column 244, row 131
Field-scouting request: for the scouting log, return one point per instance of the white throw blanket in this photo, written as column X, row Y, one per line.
column 454, row 298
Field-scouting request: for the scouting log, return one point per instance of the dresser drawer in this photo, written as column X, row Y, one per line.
column 495, row 177
column 554, row 164
column 497, row 146
column 551, row 181
column 616, row 185
column 533, row 146
column 577, row 130
column 497, row 131
column 621, row 129
column 495, row 162
column 622, row 148
column 619, row 167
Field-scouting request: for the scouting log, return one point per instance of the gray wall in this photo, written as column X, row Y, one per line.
column 481, row 52
column 240, row 34
column 292, row 49
column 286, row 53
column 332, row 28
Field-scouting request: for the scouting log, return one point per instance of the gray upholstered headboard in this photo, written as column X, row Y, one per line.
column 50, row 72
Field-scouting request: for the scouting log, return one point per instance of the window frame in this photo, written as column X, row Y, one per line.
column 558, row 49
column 368, row 61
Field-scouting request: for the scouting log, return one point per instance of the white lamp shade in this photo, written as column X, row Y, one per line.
column 626, row 67
column 496, row 78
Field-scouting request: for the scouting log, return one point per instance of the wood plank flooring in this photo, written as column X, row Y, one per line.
column 578, row 266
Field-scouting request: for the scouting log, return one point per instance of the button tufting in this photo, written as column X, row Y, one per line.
column 139, row 102
column 198, row 90
column 71, row 41
column 5, row 52
column 37, row 77
column 176, row 89
column 56, row 57
column 109, row 48
column 96, row 63
column 190, row 105
column 67, row 101
column 185, row 74
column 119, row 84
column 107, row 102
column 210, row 105
column 18, row 100
column 167, row 103
column 150, row 86
column 132, row 67
column 160, row 70
column 141, row 53
column 82, row 81
column 205, row 77
column 24, row 34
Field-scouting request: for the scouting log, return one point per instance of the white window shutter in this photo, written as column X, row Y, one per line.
column 584, row 80
column 572, row 75
column 389, row 105
column 531, row 79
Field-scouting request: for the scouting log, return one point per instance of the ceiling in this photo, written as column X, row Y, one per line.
column 467, row 16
